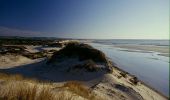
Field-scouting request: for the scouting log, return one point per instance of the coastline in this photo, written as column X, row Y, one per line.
column 150, row 87
column 109, row 51
column 141, row 88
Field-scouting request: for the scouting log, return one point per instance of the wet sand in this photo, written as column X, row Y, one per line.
column 163, row 50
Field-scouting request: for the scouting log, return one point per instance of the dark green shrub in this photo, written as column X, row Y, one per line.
column 124, row 74
column 82, row 51
column 89, row 65
column 134, row 80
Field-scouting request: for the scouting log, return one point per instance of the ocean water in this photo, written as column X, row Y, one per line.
column 149, row 67
column 133, row 41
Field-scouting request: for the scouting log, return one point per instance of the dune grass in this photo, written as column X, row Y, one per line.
column 77, row 88
column 25, row 91
column 83, row 51
column 16, row 77
column 16, row 87
column 81, row 90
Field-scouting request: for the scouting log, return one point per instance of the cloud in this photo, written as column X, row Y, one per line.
column 5, row 31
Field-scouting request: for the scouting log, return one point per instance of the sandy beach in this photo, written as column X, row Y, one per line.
column 108, row 86
column 163, row 50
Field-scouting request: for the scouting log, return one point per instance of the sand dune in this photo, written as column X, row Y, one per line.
column 106, row 83
column 11, row 60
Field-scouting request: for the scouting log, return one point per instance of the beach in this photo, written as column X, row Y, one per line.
column 84, row 50
column 141, row 61
column 110, row 78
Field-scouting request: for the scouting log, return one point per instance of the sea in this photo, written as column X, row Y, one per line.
column 133, row 41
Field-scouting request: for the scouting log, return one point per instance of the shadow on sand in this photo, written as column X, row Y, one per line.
column 41, row 71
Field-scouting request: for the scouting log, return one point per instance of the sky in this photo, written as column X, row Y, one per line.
column 88, row 19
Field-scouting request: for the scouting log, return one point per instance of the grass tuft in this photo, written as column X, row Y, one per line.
column 16, row 87
column 79, row 89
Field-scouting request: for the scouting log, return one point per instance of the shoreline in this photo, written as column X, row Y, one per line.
column 143, row 87
column 142, row 82
column 145, row 84
column 162, row 50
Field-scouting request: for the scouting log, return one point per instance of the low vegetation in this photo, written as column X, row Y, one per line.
column 25, row 91
column 134, row 80
column 79, row 89
column 35, row 55
column 16, row 87
column 82, row 51
column 89, row 65
column 20, row 50
column 16, row 77
column 124, row 74
column 11, row 49
column 24, row 41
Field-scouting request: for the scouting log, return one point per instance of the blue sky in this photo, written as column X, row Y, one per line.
column 103, row 19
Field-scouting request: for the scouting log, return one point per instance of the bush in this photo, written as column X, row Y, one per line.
column 124, row 74
column 82, row 51
column 134, row 80
column 89, row 65
column 35, row 55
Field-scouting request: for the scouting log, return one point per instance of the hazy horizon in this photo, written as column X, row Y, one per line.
column 88, row 19
column 13, row 36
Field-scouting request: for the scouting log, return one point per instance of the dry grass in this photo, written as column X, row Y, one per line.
column 62, row 96
column 77, row 88
column 21, row 90
column 25, row 91
column 16, row 87
column 81, row 90
column 5, row 76
column 16, row 77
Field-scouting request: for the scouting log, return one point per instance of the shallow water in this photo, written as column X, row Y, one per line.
column 134, row 41
column 149, row 67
